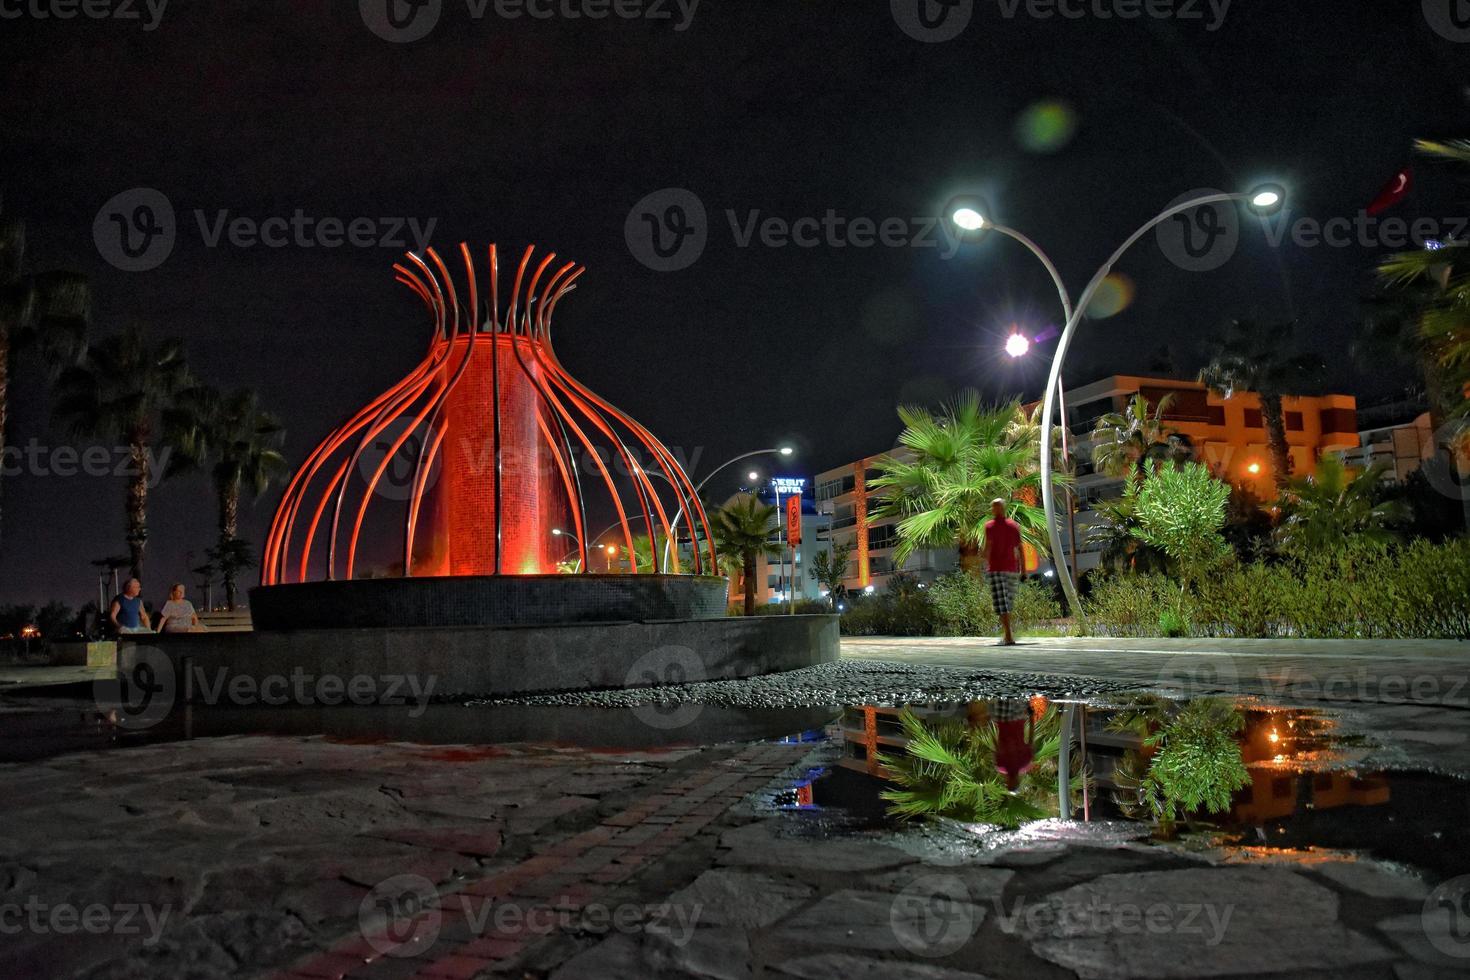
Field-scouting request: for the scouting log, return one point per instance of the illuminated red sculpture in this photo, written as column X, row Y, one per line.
column 494, row 426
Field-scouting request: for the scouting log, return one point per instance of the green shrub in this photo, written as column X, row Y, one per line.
column 889, row 614
column 1364, row 590
column 962, row 606
column 1171, row 623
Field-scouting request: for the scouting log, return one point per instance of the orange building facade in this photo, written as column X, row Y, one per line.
column 1227, row 434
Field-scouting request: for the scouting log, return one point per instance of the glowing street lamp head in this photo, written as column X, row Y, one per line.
column 611, row 549
column 1267, row 199
column 753, row 475
column 787, row 450
column 969, row 219
column 1254, row 469
column 1018, row 345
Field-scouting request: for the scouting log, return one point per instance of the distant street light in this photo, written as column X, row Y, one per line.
column 674, row 524
column 1018, row 345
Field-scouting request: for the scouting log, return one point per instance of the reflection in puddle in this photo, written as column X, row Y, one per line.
column 1238, row 777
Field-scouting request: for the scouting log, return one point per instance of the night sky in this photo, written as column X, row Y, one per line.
column 550, row 131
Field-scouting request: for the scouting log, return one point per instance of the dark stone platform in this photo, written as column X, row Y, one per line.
column 503, row 600
column 461, row 662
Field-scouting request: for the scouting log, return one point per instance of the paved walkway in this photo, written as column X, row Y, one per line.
column 17, row 677
column 310, row 859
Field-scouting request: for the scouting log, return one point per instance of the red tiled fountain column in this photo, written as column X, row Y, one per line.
column 459, row 519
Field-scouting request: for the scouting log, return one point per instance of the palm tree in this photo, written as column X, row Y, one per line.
column 239, row 443
column 1438, row 321
column 1113, row 529
column 962, row 458
column 47, row 311
column 1131, row 442
column 1327, row 508
column 1254, row 357
column 743, row 527
column 119, row 390
column 829, row 569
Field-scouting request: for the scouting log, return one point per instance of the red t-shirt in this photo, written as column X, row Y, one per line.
column 1002, row 538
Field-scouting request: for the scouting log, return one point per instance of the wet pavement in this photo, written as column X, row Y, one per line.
column 750, row 829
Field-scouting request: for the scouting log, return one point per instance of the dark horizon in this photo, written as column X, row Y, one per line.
column 550, row 132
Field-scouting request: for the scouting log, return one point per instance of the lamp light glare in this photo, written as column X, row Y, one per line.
column 787, row 450
column 1267, row 199
column 1017, row 345
column 969, row 219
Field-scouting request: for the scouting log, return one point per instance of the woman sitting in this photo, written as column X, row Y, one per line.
column 178, row 615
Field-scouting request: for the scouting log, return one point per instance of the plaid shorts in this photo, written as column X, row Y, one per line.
column 1002, row 590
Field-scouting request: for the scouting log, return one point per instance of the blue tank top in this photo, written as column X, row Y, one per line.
column 130, row 611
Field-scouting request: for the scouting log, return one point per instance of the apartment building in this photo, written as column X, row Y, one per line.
column 1227, row 434
column 843, row 494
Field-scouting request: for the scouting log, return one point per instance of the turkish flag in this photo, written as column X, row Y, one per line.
column 1393, row 192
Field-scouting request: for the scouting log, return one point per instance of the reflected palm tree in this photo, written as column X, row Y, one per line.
column 949, row 769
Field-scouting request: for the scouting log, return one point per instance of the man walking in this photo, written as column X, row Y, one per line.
column 1003, row 563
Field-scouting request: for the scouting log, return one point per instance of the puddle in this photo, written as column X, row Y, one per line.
column 1259, row 781
column 1248, row 781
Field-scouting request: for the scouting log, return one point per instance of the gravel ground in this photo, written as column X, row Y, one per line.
column 841, row 683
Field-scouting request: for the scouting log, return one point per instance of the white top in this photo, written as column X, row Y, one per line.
column 180, row 613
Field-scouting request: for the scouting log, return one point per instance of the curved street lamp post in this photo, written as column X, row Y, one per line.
column 970, row 219
column 1262, row 200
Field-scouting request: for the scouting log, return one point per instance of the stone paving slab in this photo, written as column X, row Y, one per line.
column 305, row 857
